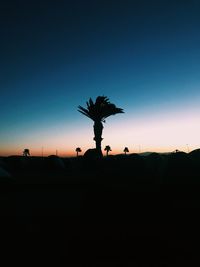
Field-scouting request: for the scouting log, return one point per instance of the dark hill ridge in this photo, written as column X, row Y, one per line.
column 131, row 210
column 195, row 154
column 158, row 168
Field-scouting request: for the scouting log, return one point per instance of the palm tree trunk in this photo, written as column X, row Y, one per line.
column 98, row 129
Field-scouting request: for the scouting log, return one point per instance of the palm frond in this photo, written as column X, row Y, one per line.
column 111, row 109
column 101, row 109
column 102, row 100
column 84, row 111
column 91, row 102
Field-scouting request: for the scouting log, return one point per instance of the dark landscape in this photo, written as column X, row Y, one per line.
column 131, row 210
column 84, row 85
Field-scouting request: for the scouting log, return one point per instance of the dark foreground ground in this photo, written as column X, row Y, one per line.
column 117, row 212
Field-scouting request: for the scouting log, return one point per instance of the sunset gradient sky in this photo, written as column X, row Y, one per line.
column 143, row 55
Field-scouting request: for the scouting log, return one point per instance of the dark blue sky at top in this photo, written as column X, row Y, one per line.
column 56, row 54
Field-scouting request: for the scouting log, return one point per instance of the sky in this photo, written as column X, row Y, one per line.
column 143, row 55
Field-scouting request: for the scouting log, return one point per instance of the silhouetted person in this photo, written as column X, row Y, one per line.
column 98, row 112
column 26, row 152
column 107, row 149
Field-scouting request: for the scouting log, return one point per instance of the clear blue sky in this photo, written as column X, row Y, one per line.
column 143, row 55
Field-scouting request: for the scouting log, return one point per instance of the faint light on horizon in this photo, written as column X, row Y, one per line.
column 175, row 130
column 159, row 133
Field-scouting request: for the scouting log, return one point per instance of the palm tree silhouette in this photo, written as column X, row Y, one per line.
column 126, row 150
column 98, row 112
column 78, row 149
column 107, row 149
column 26, row 152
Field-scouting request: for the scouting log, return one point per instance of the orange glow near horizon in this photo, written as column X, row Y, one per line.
column 143, row 56
column 160, row 133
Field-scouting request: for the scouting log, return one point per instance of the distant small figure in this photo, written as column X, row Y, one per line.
column 78, row 149
column 126, row 150
column 26, row 152
column 107, row 149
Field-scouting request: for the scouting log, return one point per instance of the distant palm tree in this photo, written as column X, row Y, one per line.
column 126, row 150
column 107, row 149
column 26, row 152
column 98, row 112
column 78, row 149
